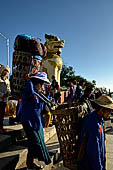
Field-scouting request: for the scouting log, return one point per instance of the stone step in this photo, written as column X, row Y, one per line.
column 15, row 156
column 15, row 131
column 45, row 167
column 12, row 157
column 5, row 142
column 49, row 133
column 13, row 134
column 53, row 148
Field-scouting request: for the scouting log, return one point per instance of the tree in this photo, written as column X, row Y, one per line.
column 67, row 75
column 79, row 78
column 94, row 82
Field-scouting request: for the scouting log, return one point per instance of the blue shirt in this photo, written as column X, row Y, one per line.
column 31, row 107
column 94, row 157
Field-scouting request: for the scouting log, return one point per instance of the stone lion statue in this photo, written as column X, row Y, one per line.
column 52, row 64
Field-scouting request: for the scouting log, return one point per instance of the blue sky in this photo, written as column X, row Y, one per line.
column 85, row 25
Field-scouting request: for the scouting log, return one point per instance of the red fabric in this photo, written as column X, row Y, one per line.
column 58, row 87
column 100, row 129
column 70, row 84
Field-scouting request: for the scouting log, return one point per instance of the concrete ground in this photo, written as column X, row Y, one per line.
column 109, row 147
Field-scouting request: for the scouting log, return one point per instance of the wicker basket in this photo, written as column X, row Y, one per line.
column 66, row 119
column 23, row 63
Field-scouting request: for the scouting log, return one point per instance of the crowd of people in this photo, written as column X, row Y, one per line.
column 77, row 90
column 35, row 114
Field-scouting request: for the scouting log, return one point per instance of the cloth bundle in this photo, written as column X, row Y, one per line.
column 26, row 43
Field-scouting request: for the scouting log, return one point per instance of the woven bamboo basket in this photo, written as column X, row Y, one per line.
column 66, row 119
column 23, row 63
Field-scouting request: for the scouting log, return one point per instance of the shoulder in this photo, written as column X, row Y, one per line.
column 29, row 88
column 29, row 84
column 92, row 115
column 90, row 119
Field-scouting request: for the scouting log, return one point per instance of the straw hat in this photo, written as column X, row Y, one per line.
column 42, row 76
column 2, row 68
column 104, row 101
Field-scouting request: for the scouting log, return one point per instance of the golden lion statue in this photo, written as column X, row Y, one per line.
column 52, row 64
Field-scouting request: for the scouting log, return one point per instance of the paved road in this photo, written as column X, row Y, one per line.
column 109, row 147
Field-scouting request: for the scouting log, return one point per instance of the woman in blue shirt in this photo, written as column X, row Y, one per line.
column 32, row 109
column 92, row 145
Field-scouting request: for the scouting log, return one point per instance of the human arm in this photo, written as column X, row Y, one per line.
column 46, row 116
column 29, row 91
column 82, row 148
column 94, row 155
column 92, row 152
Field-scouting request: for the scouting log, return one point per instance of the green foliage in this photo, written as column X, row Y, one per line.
column 68, row 75
column 79, row 78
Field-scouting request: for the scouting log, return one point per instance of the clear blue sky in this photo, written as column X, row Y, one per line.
column 85, row 25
